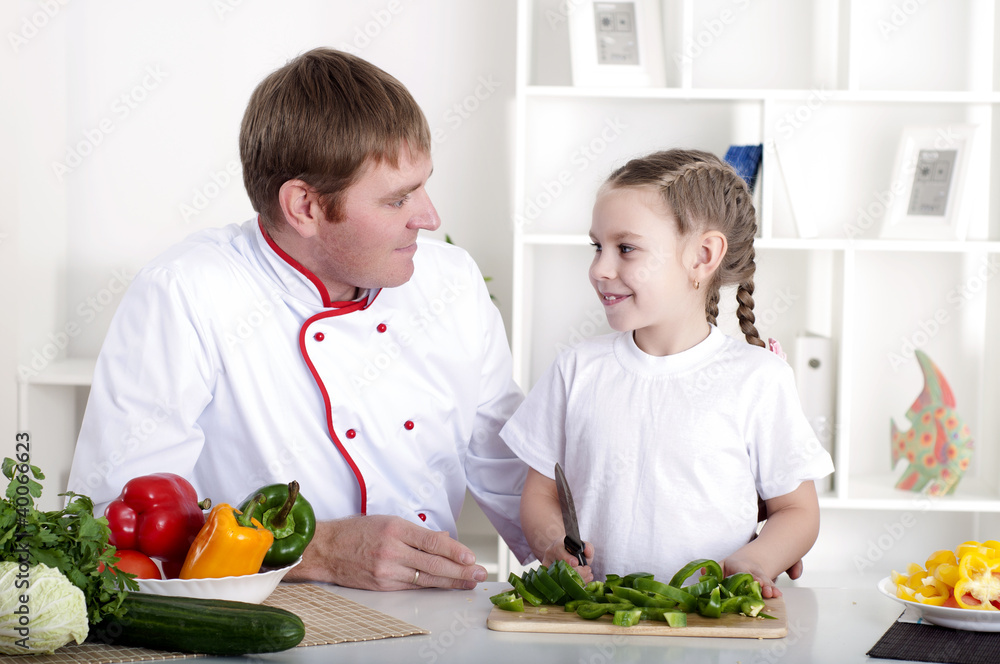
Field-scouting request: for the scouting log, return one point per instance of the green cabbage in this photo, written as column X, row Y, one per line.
column 40, row 610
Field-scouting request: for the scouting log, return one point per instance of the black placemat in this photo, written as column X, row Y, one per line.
column 930, row 643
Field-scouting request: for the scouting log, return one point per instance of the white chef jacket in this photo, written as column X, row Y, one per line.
column 226, row 363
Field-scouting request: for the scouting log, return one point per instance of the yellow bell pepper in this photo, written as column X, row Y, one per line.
column 978, row 584
column 231, row 543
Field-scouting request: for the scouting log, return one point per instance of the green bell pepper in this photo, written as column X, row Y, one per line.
column 289, row 517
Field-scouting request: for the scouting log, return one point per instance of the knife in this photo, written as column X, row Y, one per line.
column 572, row 541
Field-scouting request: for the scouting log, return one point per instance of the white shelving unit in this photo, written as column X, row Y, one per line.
column 828, row 85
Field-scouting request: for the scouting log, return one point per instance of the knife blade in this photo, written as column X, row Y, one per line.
column 572, row 541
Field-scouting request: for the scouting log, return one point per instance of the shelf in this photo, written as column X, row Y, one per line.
column 823, row 84
column 760, row 95
column 72, row 371
column 877, row 492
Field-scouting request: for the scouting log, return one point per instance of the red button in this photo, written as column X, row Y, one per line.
column 408, row 425
column 423, row 517
column 381, row 327
column 319, row 336
column 351, row 433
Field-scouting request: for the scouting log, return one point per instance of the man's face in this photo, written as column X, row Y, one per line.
column 373, row 243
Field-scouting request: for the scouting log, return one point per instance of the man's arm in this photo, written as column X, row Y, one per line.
column 381, row 552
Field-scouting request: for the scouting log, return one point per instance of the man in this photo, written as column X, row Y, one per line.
column 320, row 342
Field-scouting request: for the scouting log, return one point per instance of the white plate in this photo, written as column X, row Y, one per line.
column 972, row 620
column 252, row 588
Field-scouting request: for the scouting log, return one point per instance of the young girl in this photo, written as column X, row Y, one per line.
column 668, row 429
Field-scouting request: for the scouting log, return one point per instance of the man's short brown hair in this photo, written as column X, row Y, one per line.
column 322, row 118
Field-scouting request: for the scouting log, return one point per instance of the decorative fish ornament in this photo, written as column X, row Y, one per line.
column 938, row 444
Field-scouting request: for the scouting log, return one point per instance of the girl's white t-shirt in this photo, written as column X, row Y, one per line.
column 665, row 456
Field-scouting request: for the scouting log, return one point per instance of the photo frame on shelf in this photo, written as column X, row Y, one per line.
column 931, row 184
column 617, row 44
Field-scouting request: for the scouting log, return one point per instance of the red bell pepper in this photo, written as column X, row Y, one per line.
column 158, row 515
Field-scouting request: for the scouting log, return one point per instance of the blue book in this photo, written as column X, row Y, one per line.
column 745, row 159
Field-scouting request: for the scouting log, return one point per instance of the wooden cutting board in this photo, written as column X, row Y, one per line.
column 554, row 620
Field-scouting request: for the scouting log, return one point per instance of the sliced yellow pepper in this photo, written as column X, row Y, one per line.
column 978, row 582
column 941, row 557
column 933, row 592
column 968, row 547
column 946, row 573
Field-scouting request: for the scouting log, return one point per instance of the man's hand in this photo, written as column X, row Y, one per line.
column 381, row 552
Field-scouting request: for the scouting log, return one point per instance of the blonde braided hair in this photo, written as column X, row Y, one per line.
column 704, row 193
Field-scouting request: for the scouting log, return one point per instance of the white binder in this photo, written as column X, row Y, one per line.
column 816, row 380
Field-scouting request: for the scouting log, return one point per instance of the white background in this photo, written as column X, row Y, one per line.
column 118, row 137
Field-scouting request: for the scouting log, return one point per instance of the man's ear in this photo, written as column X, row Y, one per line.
column 708, row 250
column 301, row 207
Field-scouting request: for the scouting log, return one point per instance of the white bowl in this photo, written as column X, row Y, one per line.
column 252, row 588
column 968, row 619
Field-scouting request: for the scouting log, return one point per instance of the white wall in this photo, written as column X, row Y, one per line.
column 134, row 110
column 120, row 138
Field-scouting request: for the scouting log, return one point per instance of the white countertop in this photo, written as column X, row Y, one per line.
column 824, row 625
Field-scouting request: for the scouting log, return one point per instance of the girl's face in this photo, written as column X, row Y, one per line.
column 639, row 271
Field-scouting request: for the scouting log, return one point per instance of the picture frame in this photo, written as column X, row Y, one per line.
column 929, row 196
column 617, row 44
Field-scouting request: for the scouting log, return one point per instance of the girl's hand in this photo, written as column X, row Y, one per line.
column 557, row 551
column 736, row 564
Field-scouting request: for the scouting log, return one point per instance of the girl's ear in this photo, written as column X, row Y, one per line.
column 300, row 207
column 709, row 248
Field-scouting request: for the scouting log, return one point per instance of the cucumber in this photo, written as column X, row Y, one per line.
column 200, row 626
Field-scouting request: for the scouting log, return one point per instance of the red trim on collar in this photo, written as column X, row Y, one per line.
column 327, row 403
column 324, row 294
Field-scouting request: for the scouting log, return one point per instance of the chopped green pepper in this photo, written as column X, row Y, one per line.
column 737, row 584
column 752, row 607
column 711, row 567
column 529, row 586
column 592, row 610
column 627, row 618
column 629, row 580
column 506, row 596
column 640, row 598
column 571, row 582
column 513, row 605
column 712, row 607
column 525, row 594
column 704, row 586
column 672, row 617
column 549, row 588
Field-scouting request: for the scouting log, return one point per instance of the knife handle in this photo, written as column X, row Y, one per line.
column 575, row 549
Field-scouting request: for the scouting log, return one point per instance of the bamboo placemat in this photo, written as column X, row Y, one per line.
column 328, row 618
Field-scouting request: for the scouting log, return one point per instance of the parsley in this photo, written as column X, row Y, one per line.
column 71, row 540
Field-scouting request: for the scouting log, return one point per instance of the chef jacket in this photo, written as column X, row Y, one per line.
column 226, row 363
